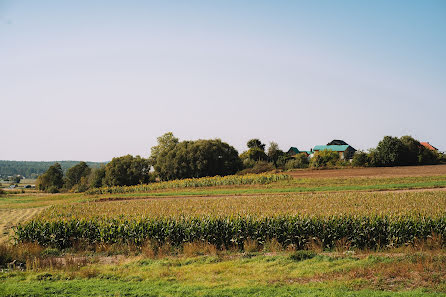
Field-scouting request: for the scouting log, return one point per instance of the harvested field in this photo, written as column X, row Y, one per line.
column 11, row 217
column 401, row 171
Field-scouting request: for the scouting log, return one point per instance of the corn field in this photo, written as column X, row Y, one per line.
column 360, row 232
column 429, row 204
column 228, row 180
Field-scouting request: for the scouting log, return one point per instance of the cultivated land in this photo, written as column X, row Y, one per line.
column 428, row 170
column 342, row 212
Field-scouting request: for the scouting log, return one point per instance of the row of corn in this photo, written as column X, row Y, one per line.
column 359, row 232
column 228, row 180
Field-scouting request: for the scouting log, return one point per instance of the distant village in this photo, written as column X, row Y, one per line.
column 346, row 151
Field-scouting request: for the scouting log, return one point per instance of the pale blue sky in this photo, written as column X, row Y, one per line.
column 90, row 80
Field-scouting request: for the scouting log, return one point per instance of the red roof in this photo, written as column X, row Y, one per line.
column 428, row 146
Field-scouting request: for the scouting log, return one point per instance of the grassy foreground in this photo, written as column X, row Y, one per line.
column 281, row 274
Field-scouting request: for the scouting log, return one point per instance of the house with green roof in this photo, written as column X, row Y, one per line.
column 345, row 151
column 294, row 151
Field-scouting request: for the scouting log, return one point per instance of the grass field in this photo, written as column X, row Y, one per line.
column 407, row 203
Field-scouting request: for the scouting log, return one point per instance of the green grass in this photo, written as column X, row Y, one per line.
column 237, row 275
column 34, row 200
column 105, row 287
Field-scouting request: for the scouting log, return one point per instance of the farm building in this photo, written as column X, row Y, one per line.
column 345, row 151
column 337, row 142
column 429, row 146
column 294, row 151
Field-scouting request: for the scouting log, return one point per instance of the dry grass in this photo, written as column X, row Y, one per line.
column 406, row 272
column 199, row 249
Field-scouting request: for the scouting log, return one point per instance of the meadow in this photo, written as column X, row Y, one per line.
column 235, row 236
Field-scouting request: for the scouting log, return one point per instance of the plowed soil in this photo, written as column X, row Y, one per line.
column 428, row 170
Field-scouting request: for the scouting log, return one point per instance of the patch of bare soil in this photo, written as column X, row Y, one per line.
column 401, row 171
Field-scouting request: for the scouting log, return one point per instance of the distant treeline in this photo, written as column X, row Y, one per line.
column 172, row 159
column 32, row 169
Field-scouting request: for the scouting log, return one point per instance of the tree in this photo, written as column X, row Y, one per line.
column 75, row 174
column 413, row 150
column 390, row 152
column 255, row 153
column 274, row 153
column 299, row 161
column 97, row 176
column 127, row 171
column 360, row 159
column 198, row 159
column 51, row 180
column 255, row 143
column 166, row 143
column 324, row 158
column 16, row 179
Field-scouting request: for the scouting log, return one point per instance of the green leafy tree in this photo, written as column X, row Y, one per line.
column 255, row 143
column 75, row 174
column 166, row 143
column 97, row 176
column 274, row 153
column 198, row 159
column 412, row 152
column 127, row 171
column 325, row 158
column 255, row 153
column 299, row 161
column 428, row 157
column 390, row 152
column 360, row 159
column 51, row 180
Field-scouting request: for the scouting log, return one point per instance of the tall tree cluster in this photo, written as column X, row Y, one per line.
column 186, row 159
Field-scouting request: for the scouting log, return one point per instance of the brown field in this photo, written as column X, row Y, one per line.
column 401, row 171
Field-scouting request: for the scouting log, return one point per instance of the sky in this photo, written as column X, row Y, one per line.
column 92, row 80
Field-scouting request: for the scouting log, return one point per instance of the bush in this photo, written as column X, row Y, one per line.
column 324, row 158
column 299, row 161
column 248, row 163
column 360, row 159
column 302, row 255
column 441, row 157
column 52, row 189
